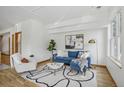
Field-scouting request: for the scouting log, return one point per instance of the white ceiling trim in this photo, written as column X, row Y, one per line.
column 79, row 28
column 78, row 22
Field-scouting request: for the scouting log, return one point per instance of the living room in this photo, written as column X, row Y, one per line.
column 85, row 29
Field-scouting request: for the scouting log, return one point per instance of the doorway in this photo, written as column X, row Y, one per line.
column 16, row 42
column 5, row 48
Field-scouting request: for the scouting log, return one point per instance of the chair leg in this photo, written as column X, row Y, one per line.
column 84, row 70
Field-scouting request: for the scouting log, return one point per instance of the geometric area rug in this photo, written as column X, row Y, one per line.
column 64, row 77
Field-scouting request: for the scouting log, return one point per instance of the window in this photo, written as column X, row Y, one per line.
column 115, row 47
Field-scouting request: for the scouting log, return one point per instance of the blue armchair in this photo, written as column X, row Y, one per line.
column 75, row 64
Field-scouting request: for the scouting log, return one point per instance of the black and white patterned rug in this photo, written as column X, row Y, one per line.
column 63, row 77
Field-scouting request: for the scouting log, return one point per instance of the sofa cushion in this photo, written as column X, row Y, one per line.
column 64, row 58
column 73, row 54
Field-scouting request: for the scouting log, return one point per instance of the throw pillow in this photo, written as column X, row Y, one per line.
column 62, row 53
column 24, row 60
column 80, row 53
column 85, row 55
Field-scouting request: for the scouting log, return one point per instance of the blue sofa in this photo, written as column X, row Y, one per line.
column 71, row 55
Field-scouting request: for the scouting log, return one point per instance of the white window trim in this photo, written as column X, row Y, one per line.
column 116, row 62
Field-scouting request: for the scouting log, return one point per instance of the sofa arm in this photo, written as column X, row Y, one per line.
column 54, row 55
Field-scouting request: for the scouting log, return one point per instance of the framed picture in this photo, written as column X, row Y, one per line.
column 74, row 41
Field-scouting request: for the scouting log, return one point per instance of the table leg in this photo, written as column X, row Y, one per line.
column 54, row 72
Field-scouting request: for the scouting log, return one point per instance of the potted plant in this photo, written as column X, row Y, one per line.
column 51, row 47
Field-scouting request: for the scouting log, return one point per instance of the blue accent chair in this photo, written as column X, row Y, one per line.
column 75, row 65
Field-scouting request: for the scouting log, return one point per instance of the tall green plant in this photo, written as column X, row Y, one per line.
column 52, row 45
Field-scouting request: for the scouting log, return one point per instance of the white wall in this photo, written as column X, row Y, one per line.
column 11, row 31
column 116, row 72
column 99, row 35
column 34, row 38
column 5, row 42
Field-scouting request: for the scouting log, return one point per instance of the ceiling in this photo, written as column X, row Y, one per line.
column 11, row 15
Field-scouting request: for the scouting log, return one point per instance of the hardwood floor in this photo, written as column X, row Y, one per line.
column 9, row 78
column 103, row 77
